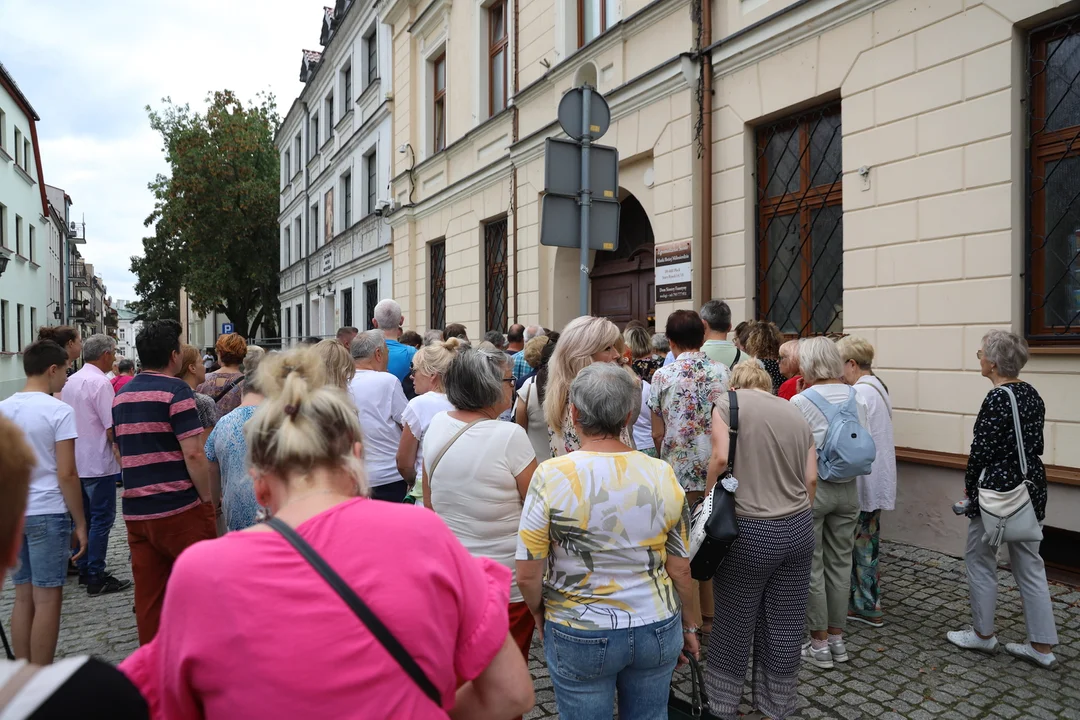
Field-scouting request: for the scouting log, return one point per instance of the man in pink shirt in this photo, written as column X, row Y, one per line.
column 90, row 393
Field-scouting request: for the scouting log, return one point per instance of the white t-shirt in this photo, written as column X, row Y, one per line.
column 474, row 491
column 380, row 403
column 835, row 393
column 877, row 491
column 538, row 429
column 643, row 424
column 44, row 421
column 418, row 414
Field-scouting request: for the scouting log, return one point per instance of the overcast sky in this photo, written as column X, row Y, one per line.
column 90, row 68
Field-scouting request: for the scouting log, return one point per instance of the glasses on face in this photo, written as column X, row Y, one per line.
column 509, row 380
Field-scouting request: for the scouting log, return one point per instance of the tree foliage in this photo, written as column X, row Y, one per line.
column 215, row 214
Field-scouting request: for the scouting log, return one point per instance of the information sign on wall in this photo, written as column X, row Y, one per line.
column 673, row 271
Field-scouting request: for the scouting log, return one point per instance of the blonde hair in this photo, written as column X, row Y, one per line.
column 254, row 356
column 819, row 360
column 581, row 339
column 748, row 375
column 304, row 423
column 434, row 359
column 855, row 348
column 534, row 350
column 639, row 341
column 16, row 463
column 189, row 355
column 337, row 361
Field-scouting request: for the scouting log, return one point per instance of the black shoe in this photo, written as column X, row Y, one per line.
column 84, row 579
column 108, row 585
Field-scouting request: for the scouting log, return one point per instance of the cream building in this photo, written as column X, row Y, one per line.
column 905, row 170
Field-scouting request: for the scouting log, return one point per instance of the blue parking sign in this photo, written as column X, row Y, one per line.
column 227, row 328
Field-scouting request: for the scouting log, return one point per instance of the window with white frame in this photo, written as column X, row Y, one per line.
column 371, row 168
column 594, row 17
column 28, row 150
column 18, row 147
column 3, row 130
column 346, row 199
column 329, row 105
column 313, row 134
column 286, row 168
column 298, row 150
column 32, row 242
column 371, row 55
column 3, row 226
column 286, row 254
column 346, row 88
column 298, row 237
column 18, row 235
column 438, row 103
column 313, row 227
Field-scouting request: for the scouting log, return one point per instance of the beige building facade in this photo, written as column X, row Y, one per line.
column 904, row 170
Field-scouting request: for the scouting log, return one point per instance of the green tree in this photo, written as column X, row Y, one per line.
column 215, row 214
column 158, row 285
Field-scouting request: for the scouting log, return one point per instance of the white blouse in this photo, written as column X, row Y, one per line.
column 877, row 491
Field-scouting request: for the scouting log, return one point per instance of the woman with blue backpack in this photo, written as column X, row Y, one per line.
column 838, row 418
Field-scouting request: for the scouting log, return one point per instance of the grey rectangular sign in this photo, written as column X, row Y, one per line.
column 560, row 222
column 562, row 169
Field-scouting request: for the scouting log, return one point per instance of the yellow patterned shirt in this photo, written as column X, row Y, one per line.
column 606, row 522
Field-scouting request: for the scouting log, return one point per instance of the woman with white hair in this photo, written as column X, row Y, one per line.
column 995, row 464
column 585, row 340
column 836, row 505
column 603, row 561
column 233, row 603
column 477, row 468
column 877, row 491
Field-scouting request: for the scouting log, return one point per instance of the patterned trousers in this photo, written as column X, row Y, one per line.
column 865, row 592
column 760, row 593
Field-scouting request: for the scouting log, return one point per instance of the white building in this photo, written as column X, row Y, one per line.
column 335, row 147
column 24, row 222
column 127, row 328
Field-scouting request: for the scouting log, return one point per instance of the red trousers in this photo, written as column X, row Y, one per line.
column 155, row 545
column 521, row 627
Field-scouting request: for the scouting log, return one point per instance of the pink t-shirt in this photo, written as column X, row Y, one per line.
column 250, row 630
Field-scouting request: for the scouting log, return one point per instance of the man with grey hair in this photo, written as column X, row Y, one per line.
column 379, row 401
column 522, row 368
column 97, row 459
column 432, row 336
column 388, row 318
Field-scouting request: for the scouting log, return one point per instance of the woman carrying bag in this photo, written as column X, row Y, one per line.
column 1005, row 450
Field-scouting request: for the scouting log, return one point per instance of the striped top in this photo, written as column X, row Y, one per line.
column 151, row 415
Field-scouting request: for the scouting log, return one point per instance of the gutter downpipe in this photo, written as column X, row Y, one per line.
column 305, row 216
column 513, row 168
column 706, row 153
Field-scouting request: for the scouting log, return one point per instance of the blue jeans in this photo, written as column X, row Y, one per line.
column 46, row 547
column 588, row 666
column 99, row 505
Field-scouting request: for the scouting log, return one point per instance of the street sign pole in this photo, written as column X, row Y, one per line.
column 586, row 198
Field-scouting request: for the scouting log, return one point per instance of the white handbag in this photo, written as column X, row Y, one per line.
column 1009, row 516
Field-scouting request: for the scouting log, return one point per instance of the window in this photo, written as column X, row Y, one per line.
column 299, row 321
column 495, row 275
column 346, row 307
column 33, row 320
column 286, row 325
column 438, row 105
column 286, row 255
column 3, row 130
column 314, row 134
column 371, row 50
column 329, row 115
column 371, row 299
column 19, row 328
column 3, row 226
column 3, row 326
column 18, row 235
column 286, row 168
column 122, row 334
column 497, row 48
column 437, row 264
column 18, row 147
column 595, row 17
column 800, row 223
column 313, row 228
column 27, row 150
column 372, row 169
column 298, row 238
column 346, row 88
column 298, row 151
column 32, row 243
column 1052, row 274
column 346, row 199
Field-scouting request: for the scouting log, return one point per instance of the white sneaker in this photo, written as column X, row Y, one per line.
column 1024, row 651
column 838, row 650
column 969, row 640
column 822, row 658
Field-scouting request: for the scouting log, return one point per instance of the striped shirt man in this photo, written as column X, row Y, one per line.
column 151, row 415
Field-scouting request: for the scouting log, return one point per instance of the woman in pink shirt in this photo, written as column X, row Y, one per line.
column 250, row 629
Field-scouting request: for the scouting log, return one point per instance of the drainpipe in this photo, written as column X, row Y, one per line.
column 513, row 168
column 706, row 154
column 305, row 221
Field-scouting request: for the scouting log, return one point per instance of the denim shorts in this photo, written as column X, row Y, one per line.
column 45, row 551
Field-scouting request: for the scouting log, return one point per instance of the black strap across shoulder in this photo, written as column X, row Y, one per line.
column 224, row 389
column 358, row 606
column 733, row 425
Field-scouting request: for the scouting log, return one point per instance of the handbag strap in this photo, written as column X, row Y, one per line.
column 878, row 391
column 733, row 429
column 435, row 462
column 360, row 608
column 224, row 389
column 1016, row 430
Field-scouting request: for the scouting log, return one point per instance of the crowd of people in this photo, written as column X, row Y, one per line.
column 556, row 473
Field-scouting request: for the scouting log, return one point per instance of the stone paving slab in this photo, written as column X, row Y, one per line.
column 904, row 671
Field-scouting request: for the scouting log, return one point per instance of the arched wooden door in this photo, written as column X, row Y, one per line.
column 623, row 281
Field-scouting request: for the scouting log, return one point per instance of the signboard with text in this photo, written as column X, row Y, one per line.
column 674, row 271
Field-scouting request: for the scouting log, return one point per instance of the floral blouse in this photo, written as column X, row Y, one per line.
column 993, row 447
column 227, row 447
column 567, row 441
column 683, row 394
column 213, row 385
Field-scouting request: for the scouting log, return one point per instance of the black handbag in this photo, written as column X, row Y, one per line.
column 713, row 518
column 698, row 704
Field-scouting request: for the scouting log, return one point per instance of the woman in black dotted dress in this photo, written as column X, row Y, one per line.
column 994, row 463
column 763, row 343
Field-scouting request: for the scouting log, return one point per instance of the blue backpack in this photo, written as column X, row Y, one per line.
column 848, row 450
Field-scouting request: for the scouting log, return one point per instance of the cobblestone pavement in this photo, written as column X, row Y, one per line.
column 904, row 670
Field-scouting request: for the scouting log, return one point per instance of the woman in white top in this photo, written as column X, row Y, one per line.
column 836, row 508
column 529, row 409
column 477, row 469
column 643, row 425
column 877, row 491
column 429, row 364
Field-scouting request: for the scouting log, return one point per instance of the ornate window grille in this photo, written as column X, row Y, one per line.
column 495, row 275
column 437, row 260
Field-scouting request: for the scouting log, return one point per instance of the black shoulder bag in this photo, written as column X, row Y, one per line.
column 358, row 606
column 714, row 519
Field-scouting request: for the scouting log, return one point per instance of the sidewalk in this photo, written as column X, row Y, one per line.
column 904, row 671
